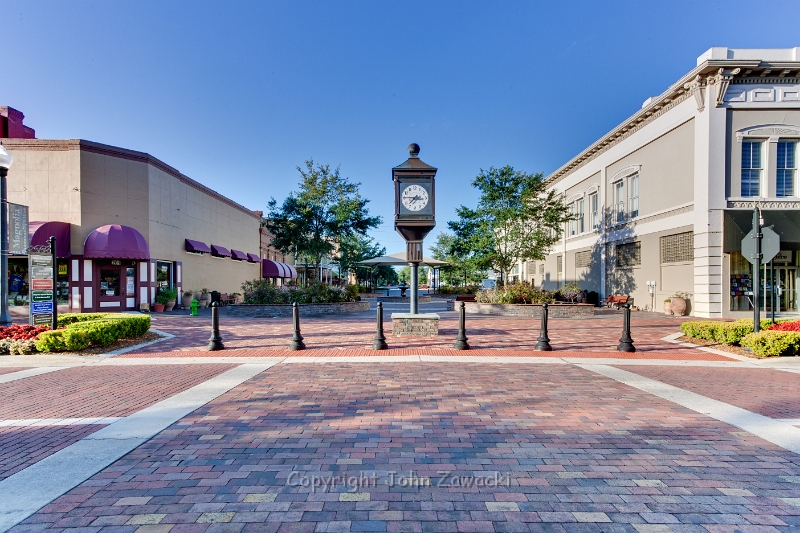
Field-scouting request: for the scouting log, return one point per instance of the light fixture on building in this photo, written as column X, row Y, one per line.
column 651, row 288
column 5, row 163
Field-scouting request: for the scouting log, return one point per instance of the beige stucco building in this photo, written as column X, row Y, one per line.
column 667, row 195
column 133, row 224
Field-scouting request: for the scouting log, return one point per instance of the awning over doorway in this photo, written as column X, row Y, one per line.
column 196, row 247
column 276, row 269
column 40, row 233
column 116, row 242
column 220, row 251
column 238, row 255
column 253, row 258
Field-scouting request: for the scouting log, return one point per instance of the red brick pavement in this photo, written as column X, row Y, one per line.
column 20, row 447
column 10, row 369
column 581, row 452
column 598, row 334
column 768, row 392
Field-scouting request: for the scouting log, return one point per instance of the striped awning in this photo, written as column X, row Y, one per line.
column 276, row 269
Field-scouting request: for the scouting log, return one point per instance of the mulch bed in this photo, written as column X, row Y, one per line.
column 122, row 343
column 738, row 350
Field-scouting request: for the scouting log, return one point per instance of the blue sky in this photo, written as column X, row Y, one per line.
column 236, row 94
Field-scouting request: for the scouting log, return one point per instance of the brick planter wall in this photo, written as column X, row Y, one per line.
column 274, row 311
column 408, row 325
column 557, row 310
column 399, row 300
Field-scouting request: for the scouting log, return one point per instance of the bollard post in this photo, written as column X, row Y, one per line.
column 380, row 339
column 297, row 339
column 543, row 342
column 215, row 342
column 461, row 340
column 626, row 342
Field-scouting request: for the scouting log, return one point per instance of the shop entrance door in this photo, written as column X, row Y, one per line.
column 111, row 287
column 787, row 281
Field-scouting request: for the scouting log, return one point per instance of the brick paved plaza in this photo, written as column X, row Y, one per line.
column 168, row 438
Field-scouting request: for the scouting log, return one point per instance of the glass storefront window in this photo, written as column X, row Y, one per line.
column 741, row 283
column 109, row 282
column 163, row 274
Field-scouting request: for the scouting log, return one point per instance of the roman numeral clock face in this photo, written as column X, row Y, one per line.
column 414, row 197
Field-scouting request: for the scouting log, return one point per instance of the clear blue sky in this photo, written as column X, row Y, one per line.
column 236, row 94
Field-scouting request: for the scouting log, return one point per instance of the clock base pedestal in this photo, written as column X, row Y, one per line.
column 415, row 325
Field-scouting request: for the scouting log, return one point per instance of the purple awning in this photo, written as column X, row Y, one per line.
column 275, row 269
column 219, row 251
column 196, row 247
column 239, row 256
column 253, row 258
column 40, row 233
column 116, row 242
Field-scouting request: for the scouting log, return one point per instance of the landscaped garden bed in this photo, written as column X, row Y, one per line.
column 76, row 333
column 774, row 340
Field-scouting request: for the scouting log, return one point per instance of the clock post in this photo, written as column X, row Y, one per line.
column 414, row 211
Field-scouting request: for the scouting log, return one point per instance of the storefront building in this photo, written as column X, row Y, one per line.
column 667, row 196
column 126, row 224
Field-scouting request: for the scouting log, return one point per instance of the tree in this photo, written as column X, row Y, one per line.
column 354, row 249
column 313, row 221
column 445, row 249
column 517, row 218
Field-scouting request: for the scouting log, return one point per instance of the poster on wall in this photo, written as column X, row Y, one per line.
column 40, row 267
column 18, row 237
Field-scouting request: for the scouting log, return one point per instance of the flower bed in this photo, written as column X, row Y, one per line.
column 780, row 339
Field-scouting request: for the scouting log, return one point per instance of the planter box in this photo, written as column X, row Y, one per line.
column 556, row 310
column 275, row 311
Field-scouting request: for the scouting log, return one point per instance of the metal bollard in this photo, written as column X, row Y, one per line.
column 215, row 342
column 380, row 339
column 626, row 342
column 543, row 342
column 297, row 339
column 461, row 340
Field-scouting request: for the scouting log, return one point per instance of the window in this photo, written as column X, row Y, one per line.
column 583, row 259
column 572, row 222
column 677, row 248
column 559, row 263
column 619, row 201
column 629, row 254
column 751, row 168
column 787, row 164
column 579, row 211
column 541, row 269
column 593, row 210
column 633, row 196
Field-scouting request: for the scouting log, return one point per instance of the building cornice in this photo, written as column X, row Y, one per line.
column 719, row 72
column 122, row 153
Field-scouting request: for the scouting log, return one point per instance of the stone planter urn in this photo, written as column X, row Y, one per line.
column 186, row 302
column 204, row 300
column 158, row 308
column 678, row 306
column 667, row 307
column 169, row 306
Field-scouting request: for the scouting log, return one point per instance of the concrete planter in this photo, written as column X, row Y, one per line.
column 556, row 310
column 275, row 311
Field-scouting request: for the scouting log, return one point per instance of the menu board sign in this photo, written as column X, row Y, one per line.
column 40, row 267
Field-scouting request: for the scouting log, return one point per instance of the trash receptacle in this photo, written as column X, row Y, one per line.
column 215, row 297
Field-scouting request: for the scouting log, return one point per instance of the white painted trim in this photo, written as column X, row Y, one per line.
column 593, row 189
column 179, row 273
column 87, row 297
column 76, row 298
column 763, row 131
column 109, row 304
column 623, row 173
column 76, row 274
column 143, row 272
column 22, row 374
column 143, row 295
column 87, row 270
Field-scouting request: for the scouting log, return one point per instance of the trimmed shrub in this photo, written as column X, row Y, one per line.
column 773, row 343
column 261, row 292
column 515, row 293
column 722, row 332
column 101, row 329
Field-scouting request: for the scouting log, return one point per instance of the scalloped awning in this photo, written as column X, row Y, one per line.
column 114, row 241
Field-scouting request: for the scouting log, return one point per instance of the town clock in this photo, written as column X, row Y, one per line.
column 414, row 202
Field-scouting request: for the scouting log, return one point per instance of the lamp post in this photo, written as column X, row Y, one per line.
column 5, row 164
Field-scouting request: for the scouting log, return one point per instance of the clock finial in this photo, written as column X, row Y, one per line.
column 413, row 150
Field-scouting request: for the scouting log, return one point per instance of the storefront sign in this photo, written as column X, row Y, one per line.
column 40, row 267
column 18, row 238
column 784, row 256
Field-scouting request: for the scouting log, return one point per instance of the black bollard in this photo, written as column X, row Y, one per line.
column 380, row 339
column 543, row 342
column 297, row 339
column 626, row 342
column 461, row 340
column 215, row 342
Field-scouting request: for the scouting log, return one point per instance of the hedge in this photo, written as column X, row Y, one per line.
column 772, row 343
column 79, row 331
column 722, row 332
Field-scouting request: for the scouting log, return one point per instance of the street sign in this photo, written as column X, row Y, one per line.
column 41, row 296
column 42, row 309
column 42, row 284
column 39, row 308
column 770, row 245
column 44, row 319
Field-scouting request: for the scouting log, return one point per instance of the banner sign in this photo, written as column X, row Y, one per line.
column 40, row 267
column 18, row 237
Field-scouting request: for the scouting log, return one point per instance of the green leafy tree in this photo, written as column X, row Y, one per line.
column 461, row 268
column 313, row 221
column 354, row 249
column 517, row 219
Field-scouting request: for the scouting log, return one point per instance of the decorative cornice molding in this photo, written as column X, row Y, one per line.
column 122, row 153
column 768, row 130
column 696, row 88
column 652, row 218
column 625, row 172
column 764, row 204
column 722, row 79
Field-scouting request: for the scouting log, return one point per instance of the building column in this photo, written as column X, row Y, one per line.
column 709, row 204
column 601, row 237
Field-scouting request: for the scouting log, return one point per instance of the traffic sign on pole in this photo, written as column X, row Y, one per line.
column 770, row 245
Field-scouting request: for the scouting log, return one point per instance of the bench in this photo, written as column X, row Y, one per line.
column 224, row 299
column 465, row 298
column 614, row 300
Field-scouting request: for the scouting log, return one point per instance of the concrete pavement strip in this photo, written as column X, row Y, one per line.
column 27, row 491
column 13, row 376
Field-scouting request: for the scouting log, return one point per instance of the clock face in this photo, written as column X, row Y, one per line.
column 414, row 197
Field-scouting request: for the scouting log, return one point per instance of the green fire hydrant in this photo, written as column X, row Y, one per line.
column 194, row 307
